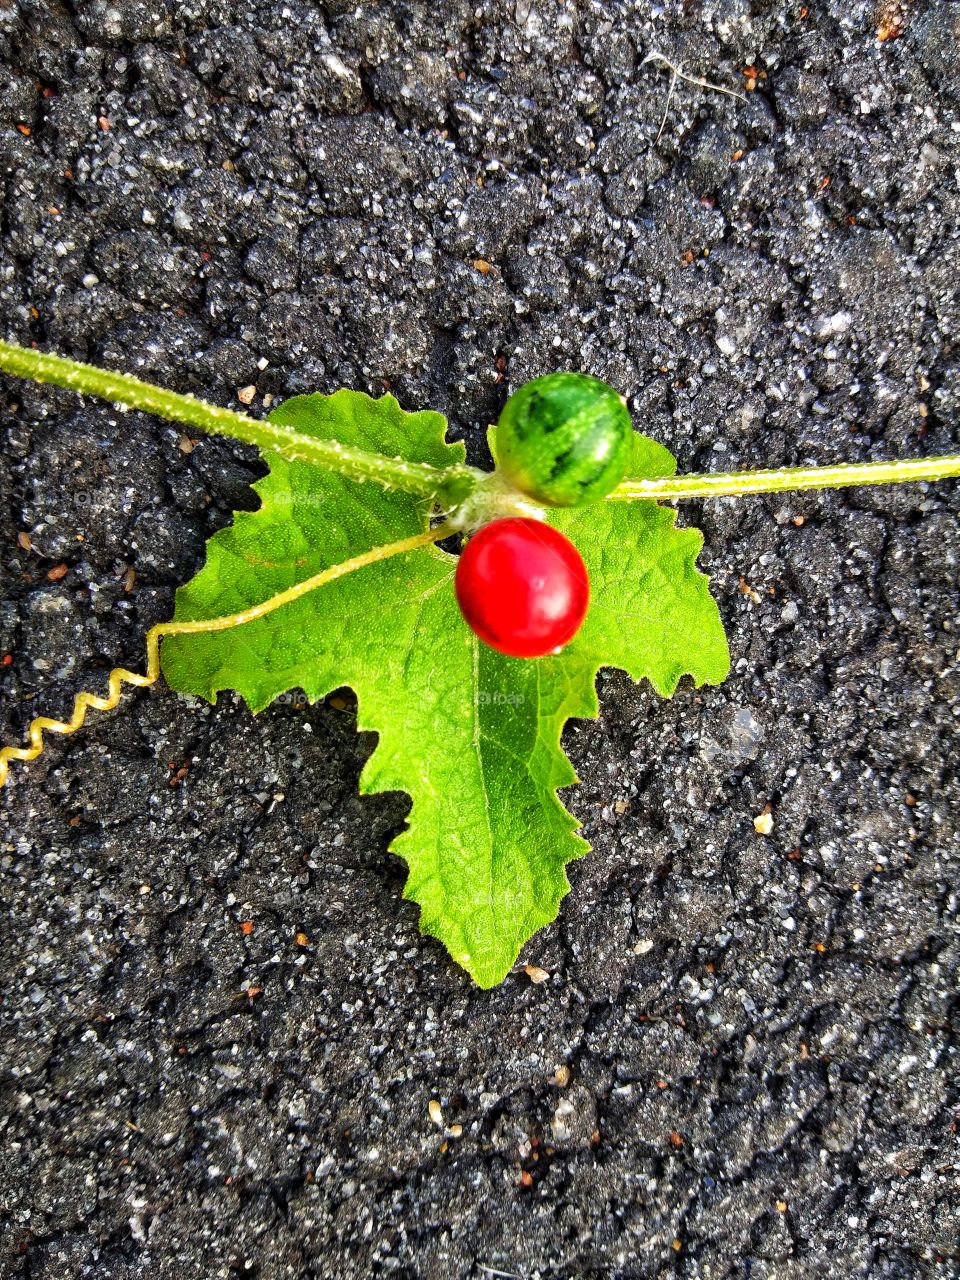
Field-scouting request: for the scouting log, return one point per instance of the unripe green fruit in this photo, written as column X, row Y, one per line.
column 565, row 439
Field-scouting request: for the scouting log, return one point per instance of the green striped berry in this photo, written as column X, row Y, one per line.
column 565, row 439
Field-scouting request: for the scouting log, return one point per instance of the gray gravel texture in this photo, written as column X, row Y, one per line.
column 744, row 1061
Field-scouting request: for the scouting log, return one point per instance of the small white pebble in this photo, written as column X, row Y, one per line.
column 727, row 344
column 833, row 326
column 436, row 1113
column 245, row 394
column 763, row 824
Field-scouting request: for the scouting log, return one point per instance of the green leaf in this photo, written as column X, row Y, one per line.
column 471, row 735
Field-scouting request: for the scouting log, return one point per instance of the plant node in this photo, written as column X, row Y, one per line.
column 493, row 498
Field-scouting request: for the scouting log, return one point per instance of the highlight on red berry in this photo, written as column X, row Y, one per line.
column 522, row 587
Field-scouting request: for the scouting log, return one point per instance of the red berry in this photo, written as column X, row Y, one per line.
column 522, row 587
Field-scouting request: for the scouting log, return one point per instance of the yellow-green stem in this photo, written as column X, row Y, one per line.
column 419, row 478
column 735, row 484
column 449, row 486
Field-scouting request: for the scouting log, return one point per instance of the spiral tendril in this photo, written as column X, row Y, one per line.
column 120, row 676
column 83, row 702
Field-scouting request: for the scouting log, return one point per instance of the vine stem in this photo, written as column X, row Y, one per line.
column 120, row 676
column 418, row 478
column 449, row 486
column 737, row 484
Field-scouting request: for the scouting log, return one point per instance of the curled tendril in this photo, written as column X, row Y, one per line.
column 120, row 676
column 83, row 702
